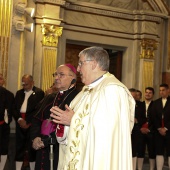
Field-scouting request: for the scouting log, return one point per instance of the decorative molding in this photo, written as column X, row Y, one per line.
column 148, row 47
column 119, row 13
column 159, row 6
column 57, row 2
column 50, row 34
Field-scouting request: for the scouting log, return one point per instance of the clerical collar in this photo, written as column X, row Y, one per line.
column 62, row 91
column 97, row 81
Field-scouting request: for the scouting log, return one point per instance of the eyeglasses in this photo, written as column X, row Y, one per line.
column 80, row 63
column 60, row 75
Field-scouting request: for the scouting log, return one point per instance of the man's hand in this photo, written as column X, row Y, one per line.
column 25, row 126
column 62, row 117
column 144, row 130
column 162, row 131
column 22, row 123
column 37, row 143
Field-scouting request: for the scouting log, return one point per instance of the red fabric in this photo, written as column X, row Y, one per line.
column 23, row 115
column 145, row 125
column 2, row 122
column 163, row 123
column 60, row 130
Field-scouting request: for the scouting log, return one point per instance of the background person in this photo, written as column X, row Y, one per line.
column 138, row 95
column 6, row 103
column 103, row 117
column 147, row 132
column 42, row 128
column 25, row 104
column 139, row 119
column 161, row 110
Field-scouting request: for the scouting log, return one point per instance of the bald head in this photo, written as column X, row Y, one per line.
column 27, row 82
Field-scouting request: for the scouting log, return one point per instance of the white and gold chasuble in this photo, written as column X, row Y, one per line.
column 99, row 137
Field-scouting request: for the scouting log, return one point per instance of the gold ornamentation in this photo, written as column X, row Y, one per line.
column 76, row 142
column 5, row 27
column 148, row 48
column 147, row 74
column 48, row 66
column 51, row 34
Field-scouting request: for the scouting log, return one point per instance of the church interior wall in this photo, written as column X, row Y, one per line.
column 88, row 23
column 85, row 22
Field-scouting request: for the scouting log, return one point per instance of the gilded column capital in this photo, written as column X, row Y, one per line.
column 51, row 34
column 148, row 47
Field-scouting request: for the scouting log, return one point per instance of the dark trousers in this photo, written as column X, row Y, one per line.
column 4, row 138
column 162, row 144
column 146, row 140
column 24, row 144
column 42, row 158
column 134, row 140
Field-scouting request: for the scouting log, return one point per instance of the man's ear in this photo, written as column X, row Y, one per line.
column 94, row 65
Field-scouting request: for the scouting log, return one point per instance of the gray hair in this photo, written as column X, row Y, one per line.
column 28, row 76
column 99, row 55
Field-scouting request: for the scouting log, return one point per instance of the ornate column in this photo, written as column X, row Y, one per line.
column 5, row 27
column 166, row 72
column 147, row 56
column 49, row 57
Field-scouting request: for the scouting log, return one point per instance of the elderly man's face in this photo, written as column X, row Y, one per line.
column 27, row 83
column 63, row 78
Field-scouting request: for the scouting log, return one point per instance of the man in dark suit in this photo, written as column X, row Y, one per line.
column 147, row 132
column 25, row 104
column 161, row 112
column 6, row 102
column 139, row 120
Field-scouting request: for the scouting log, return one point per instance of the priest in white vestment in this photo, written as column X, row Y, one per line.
column 98, row 122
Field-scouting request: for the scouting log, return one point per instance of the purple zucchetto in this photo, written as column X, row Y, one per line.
column 71, row 67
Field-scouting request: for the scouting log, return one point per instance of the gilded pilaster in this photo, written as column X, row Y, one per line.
column 51, row 34
column 5, row 20
column 147, row 56
column 168, row 66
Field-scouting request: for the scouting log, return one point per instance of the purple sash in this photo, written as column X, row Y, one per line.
column 47, row 127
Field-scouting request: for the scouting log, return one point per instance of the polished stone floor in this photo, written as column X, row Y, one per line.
column 10, row 165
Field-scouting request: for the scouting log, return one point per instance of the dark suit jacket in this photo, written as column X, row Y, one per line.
column 158, row 111
column 139, row 109
column 33, row 100
column 6, row 102
column 149, row 118
column 9, row 104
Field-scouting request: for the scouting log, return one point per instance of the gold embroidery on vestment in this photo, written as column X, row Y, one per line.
column 77, row 129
